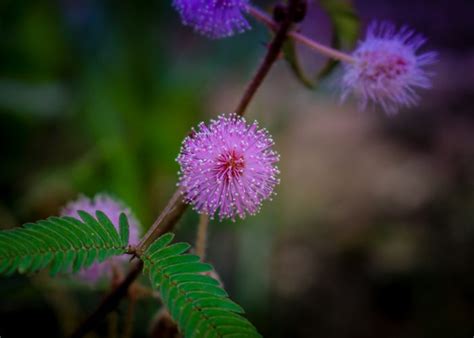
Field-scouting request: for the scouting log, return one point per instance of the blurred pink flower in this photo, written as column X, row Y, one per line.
column 386, row 68
column 112, row 208
column 228, row 167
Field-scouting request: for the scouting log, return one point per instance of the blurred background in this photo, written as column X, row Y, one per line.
column 372, row 231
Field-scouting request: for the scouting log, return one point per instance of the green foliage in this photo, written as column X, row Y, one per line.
column 345, row 26
column 63, row 243
column 195, row 300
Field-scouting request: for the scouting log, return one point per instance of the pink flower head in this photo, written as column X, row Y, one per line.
column 228, row 167
column 213, row 18
column 387, row 69
column 112, row 208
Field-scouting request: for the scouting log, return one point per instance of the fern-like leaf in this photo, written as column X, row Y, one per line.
column 62, row 243
column 195, row 300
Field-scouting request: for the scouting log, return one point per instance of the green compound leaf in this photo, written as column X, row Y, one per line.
column 196, row 301
column 64, row 244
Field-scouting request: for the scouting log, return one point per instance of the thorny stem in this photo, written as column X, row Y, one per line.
column 316, row 46
column 201, row 240
column 176, row 206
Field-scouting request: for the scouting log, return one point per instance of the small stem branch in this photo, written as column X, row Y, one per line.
column 324, row 50
column 272, row 55
column 262, row 17
column 165, row 222
column 316, row 46
column 201, row 240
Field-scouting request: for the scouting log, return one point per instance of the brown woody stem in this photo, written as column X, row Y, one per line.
column 272, row 55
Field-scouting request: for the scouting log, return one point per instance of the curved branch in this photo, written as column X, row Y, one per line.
column 273, row 52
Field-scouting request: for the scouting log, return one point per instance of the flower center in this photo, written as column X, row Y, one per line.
column 384, row 65
column 230, row 165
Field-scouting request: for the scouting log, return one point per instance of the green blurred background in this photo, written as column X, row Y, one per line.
column 372, row 231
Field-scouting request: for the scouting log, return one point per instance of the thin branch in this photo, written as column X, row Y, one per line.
column 201, row 238
column 327, row 51
column 316, row 46
column 272, row 55
column 165, row 222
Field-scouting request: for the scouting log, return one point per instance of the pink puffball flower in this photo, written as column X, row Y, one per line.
column 214, row 18
column 112, row 208
column 387, row 68
column 228, row 167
